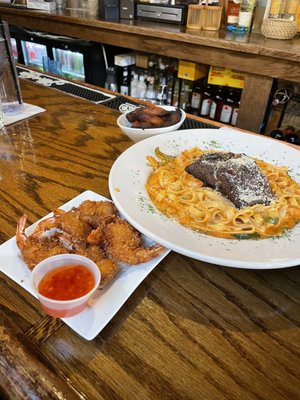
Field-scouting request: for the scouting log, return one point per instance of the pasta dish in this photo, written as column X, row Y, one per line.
column 180, row 195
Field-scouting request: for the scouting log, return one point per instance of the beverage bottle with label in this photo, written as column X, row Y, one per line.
column 246, row 15
column 185, row 95
column 125, row 82
column 206, row 101
column 161, row 96
column 196, row 97
column 235, row 108
column 216, row 105
column 170, row 89
column 232, row 13
column 176, row 92
column 227, row 108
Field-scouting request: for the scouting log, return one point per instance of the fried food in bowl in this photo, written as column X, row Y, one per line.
column 144, row 122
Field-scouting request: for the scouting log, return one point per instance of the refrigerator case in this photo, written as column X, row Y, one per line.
column 71, row 58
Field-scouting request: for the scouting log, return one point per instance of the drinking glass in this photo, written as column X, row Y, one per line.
column 1, row 116
column 10, row 92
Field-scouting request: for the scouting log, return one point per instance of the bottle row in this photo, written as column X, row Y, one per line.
column 217, row 103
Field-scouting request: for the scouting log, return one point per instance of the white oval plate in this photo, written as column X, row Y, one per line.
column 129, row 174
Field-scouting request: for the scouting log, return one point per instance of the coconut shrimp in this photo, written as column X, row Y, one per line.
column 108, row 268
column 36, row 248
column 123, row 244
column 97, row 213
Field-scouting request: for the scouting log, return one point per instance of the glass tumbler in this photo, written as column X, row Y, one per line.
column 10, row 92
column 1, row 116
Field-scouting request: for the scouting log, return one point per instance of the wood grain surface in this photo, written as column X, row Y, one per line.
column 191, row 330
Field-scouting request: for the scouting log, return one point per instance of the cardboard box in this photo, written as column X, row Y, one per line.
column 142, row 60
column 191, row 71
column 226, row 77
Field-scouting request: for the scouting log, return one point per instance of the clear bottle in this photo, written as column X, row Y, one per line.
column 1, row 116
column 150, row 92
column 111, row 79
column 134, row 86
column 162, row 92
column 186, row 94
column 176, row 93
column 141, row 87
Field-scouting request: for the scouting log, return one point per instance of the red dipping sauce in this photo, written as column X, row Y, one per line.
column 68, row 282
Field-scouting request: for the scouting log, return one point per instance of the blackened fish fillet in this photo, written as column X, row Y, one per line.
column 236, row 176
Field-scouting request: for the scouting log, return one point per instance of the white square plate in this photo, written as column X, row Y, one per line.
column 105, row 303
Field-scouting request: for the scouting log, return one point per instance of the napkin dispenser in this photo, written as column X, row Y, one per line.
column 162, row 12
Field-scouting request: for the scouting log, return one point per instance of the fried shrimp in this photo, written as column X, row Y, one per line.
column 123, row 243
column 36, row 248
column 108, row 268
column 97, row 213
column 71, row 223
column 93, row 230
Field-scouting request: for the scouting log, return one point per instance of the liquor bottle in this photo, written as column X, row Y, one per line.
column 141, row 87
column 227, row 108
column 277, row 134
column 196, row 97
column 216, row 105
column 133, row 86
column 292, row 138
column 161, row 97
column 111, row 79
column 185, row 94
column 125, row 83
column 206, row 102
column 170, row 88
column 235, row 108
column 246, row 15
column 232, row 13
column 150, row 92
column 176, row 92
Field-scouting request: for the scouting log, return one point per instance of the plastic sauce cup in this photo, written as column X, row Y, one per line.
column 63, row 308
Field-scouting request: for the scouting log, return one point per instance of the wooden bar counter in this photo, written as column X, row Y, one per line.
column 261, row 59
column 191, row 330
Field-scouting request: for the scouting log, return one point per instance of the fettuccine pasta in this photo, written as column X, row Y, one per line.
column 179, row 195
